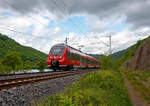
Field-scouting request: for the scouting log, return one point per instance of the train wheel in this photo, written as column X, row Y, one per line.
column 54, row 70
column 66, row 69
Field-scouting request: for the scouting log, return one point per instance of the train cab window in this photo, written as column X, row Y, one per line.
column 57, row 50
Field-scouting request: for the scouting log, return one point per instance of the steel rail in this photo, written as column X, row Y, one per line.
column 16, row 82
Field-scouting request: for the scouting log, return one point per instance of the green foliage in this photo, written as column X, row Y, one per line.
column 130, row 52
column 108, row 63
column 4, row 69
column 142, row 75
column 117, row 55
column 27, row 66
column 96, row 55
column 41, row 65
column 27, row 53
column 29, row 56
column 12, row 60
column 104, row 88
column 127, row 54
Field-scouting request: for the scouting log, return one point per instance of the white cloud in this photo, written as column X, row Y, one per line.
column 44, row 38
column 126, row 38
column 93, row 42
column 57, row 30
column 96, row 24
column 37, row 37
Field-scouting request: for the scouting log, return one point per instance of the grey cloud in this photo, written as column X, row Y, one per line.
column 139, row 14
column 136, row 11
column 21, row 6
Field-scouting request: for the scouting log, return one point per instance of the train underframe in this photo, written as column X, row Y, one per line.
column 56, row 66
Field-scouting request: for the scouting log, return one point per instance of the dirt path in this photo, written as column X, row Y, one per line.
column 134, row 96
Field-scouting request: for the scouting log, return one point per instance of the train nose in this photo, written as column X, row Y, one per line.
column 55, row 63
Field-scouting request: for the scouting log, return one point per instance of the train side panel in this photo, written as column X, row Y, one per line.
column 71, row 58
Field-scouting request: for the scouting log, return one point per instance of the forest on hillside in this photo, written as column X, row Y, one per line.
column 29, row 56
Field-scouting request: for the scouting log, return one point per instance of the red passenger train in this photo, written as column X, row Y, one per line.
column 64, row 57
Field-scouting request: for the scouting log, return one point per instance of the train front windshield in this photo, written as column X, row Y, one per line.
column 57, row 50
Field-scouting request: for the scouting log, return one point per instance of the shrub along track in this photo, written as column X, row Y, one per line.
column 16, row 82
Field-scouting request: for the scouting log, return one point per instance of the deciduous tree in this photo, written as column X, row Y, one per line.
column 13, row 60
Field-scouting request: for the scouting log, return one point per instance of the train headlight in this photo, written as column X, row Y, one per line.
column 50, row 56
column 59, row 56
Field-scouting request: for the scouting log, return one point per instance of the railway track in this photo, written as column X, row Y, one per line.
column 30, row 73
column 16, row 82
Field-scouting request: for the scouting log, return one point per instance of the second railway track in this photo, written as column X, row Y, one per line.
column 16, row 82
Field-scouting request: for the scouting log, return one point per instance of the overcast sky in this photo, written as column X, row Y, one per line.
column 43, row 23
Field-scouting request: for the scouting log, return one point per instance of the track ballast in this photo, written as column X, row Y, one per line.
column 16, row 82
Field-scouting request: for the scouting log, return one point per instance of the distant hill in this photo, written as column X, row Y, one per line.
column 96, row 55
column 117, row 55
column 28, row 54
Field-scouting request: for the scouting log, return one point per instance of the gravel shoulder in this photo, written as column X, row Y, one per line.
column 25, row 95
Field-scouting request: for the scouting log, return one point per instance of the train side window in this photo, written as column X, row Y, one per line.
column 68, row 54
column 73, row 56
column 78, row 57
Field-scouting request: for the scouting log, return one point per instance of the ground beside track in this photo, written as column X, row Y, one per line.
column 23, row 96
column 102, row 88
column 138, row 84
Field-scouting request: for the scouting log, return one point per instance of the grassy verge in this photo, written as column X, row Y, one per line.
column 140, row 80
column 103, row 88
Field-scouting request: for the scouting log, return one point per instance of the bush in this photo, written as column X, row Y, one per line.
column 27, row 66
column 41, row 66
column 12, row 60
column 4, row 69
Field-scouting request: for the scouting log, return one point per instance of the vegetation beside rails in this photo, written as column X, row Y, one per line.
column 141, row 82
column 27, row 57
column 12, row 62
column 102, row 88
column 28, row 54
column 107, row 63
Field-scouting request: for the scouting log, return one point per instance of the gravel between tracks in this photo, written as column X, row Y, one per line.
column 23, row 96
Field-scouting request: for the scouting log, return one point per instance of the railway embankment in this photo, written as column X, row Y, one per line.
column 140, row 60
column 104, row 88
column 137, row 71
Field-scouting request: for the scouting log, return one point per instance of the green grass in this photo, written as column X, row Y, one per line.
column 143, row 75
column 103, row 88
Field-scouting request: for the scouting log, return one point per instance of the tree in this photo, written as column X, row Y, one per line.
column 41, row 66
column 108, row 63
column 1, row 69
column 13, row 60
